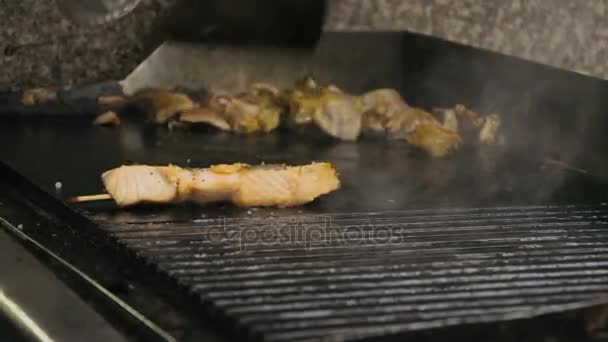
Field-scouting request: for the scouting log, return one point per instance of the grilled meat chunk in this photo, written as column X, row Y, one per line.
column 488, row 133
column 379, row 108
column 107, row 119
column 337, row 113
column 257, row 109
column 434, row 139
column 163, row 103
column 474, row 128
column 241, row 184
column 333, row 111
column 205, row 115
column 35, row 96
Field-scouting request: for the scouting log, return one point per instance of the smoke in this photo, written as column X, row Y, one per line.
column 544, row 111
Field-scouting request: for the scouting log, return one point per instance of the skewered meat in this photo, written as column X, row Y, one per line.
column 488, row 134
column 474, row 128
column 241, row 184
column 34, row 96
column 207, row 116
column 343, row 116
column 434, row 139
column 339, row 115
column 265, row 89
column 379, row 107
column 163, row 103
column 258, row 109
column 405, row 122
column 385, row 111
column 421, row 129
column 250, row 113
column 303, row 101
column 450, row 121
column 336, row 113
column 107, row 119
column 470, row 116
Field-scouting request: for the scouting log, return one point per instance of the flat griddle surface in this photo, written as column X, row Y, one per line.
column 377, row 175
column 281, row 290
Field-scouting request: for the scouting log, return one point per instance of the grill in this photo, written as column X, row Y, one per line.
column 345, row 276
column 408, row 244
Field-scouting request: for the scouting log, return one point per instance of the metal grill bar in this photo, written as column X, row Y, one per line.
column 341, row 279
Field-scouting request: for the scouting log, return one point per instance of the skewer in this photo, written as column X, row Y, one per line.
column 90, row 198
column 559, row 163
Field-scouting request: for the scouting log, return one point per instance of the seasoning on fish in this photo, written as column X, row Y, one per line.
column 241, row 184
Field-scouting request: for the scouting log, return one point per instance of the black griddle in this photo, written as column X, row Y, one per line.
column 408, row 243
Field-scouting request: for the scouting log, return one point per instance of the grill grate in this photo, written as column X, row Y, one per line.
column 348, row 276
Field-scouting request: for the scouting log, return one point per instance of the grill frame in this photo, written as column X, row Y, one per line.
column 428, row 85
column 74, row 235
column 75, row 239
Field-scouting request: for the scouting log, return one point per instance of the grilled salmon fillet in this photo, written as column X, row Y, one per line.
column 241, row 184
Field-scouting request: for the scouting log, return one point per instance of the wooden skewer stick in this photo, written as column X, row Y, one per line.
column 562, row 164
column 90, row 198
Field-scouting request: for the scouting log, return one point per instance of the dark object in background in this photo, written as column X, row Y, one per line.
column 9, row 332
column 261, row 22
column 295, row 23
